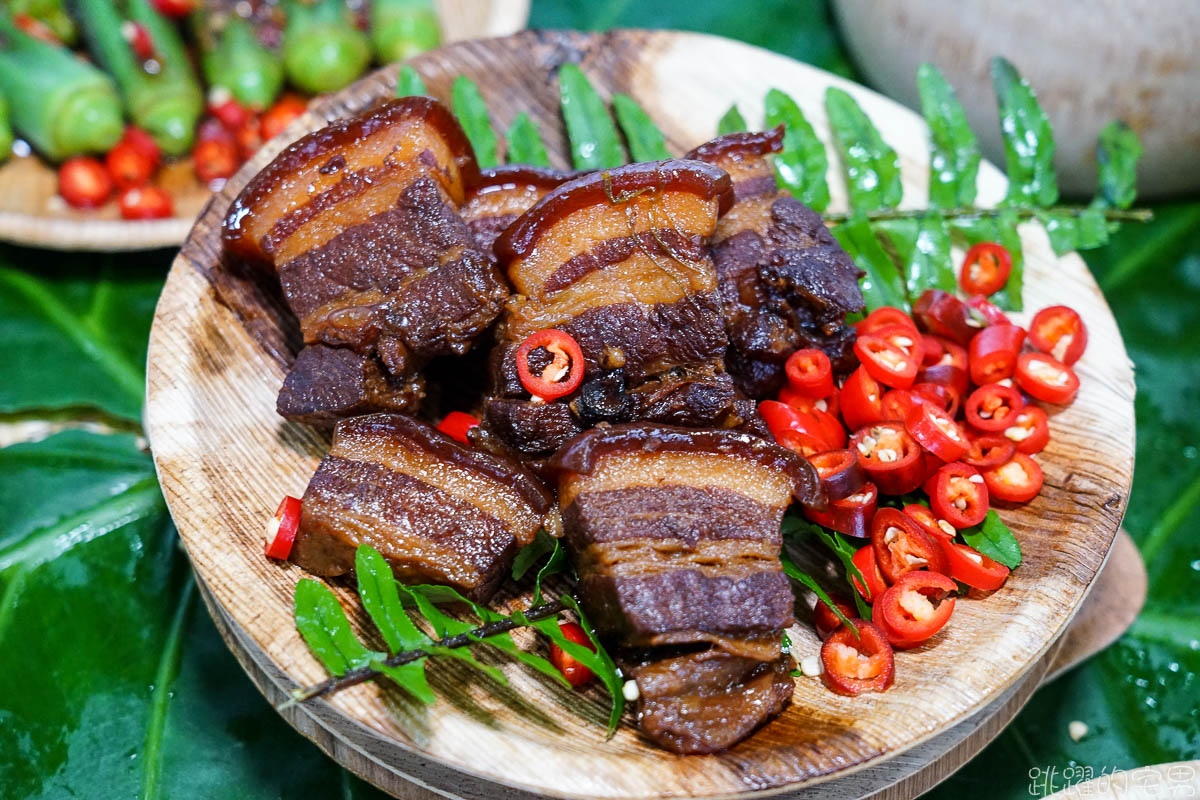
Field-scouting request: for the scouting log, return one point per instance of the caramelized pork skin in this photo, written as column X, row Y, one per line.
column 785, row 283
column 617, row 259
column 320, row 172
column 438, row 510
column 502, row 194
column 709, row 701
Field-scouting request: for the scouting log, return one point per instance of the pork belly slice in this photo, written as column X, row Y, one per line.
column 502, row 194
column 709, row 701
column 675, row 533
column 439, row 511
column 328, row 383
column 618, row 260
column 343, row 173
column 785, row 283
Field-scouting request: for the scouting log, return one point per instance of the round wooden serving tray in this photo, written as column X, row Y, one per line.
column 32, row 213
column 219, row 349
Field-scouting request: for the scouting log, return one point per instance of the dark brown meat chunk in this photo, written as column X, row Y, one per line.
column 439, row 511
column 785, row 282
column 327, row 383
column 709, row 701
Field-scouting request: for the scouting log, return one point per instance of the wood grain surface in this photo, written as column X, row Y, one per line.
column 32, row 213
column 220, row 346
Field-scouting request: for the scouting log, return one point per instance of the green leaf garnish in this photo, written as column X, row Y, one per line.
column 525, row 145
column 871, row 167
column 531, row 553
column 1028, row 139
column 645, row 140
column 882, row 285
column 731, row 121
column 323, row 624
column 923, row 247
column 800, row 167
column 953, row 148
column 1117, row 155
column 590, row 130
column 472, row 113
column 993, row 538
column 800, row 576
column 409, row 82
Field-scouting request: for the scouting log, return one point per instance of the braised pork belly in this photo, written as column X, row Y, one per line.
column 676, row 538
column 361, row 222
column 439, row 511
column 785, row 282
column 618, row 260
column 502, row 194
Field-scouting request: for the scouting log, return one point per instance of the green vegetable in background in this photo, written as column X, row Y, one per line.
column 233, row 58
column 6, row 131
column 953, row 149
column 800, row 167
column 323, row 51
column 50, row 13
column 645, row 140
column 731, row 121
column 409, row 83
column 160, row 94
column 401, row 29
column 472, row 112
column 590, row 130
column 872, row 168
column 525, row 145
column 63, row 106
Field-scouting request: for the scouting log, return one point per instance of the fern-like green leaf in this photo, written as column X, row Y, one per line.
column 409, row 82
column 645, row 140
column 953, row 148
column 1028, row 139
column 871, row 166
column 590, row 130
column 525, row 145
column 323, row 625
column 801, row 166
column 731, row 121
column 472, row 113
column 882, row 285
column 1117, row 155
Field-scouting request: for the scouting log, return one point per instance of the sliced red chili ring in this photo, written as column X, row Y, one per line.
column 851, row 515
column 923, row 516
column 943, row 395
column 993, row 353
column 936, row 431
column 931, row 350
column 901, row 546
column 839, row 472
column 896, row 404
column 809, row 373
column 864, row 560
column 890, row 456
column 1015, row 481
column 882, row 317
column 905, row 338
column 825, row 621
column 953, row 353
column 861, row 400
column 960, row 495
column 943, row 314
column 562, row 375
column 456, row 424
column 1047, row 379
column 832, row 429
column 955, row 378
column 915, row 608
column 828, row 404
column 969, row 566
column 989, row 310
column 988, row 450
column 1059, row 331
column 281, row 530
column 1029, row 431
column 986, row 268
column 886, row 362
column 576, row 673
column 801, row 430
column 931, row 464
column 853, row 664
column 993, row 407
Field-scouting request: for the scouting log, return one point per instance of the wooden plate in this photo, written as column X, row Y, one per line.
column 32, row 213
column 218, row 353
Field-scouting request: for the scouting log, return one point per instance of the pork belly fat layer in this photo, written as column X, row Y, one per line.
column 438, row 510
column 503, row 194
column 707, row 702
column 330, row 167
column 328, row 383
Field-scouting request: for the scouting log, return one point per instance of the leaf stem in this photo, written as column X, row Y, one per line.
column 363, row 674
column 971, row 212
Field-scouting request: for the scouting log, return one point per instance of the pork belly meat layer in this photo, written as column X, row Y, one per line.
column 785, row 283
column 439, row 511
column 709, row 701
column 675, row 533
column 328, row 383
column 618, row 260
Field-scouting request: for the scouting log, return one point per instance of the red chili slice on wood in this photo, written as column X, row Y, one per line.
column 901, row 546
column 857, row 664
column 915, row 608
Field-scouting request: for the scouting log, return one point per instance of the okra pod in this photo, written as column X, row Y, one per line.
column 234, row 55
column 323, row 51
column 401, row 29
